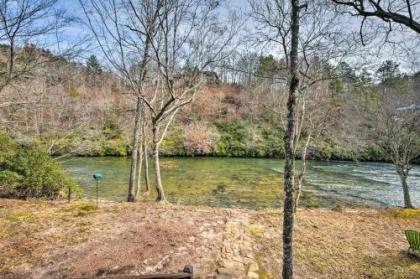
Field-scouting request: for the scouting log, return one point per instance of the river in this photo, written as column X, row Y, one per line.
column 251, row 183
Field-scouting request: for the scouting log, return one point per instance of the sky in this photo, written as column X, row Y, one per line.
column 409, row 60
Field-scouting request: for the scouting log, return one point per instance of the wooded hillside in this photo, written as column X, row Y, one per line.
column 80, row 109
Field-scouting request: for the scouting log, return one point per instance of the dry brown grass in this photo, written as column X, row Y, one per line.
column 350, row 243
column 56, row 239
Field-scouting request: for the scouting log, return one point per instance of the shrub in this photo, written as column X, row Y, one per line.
column 173, row 144
column 233, row 139
column 29, row 172
column 117, row 147
column 199, row 138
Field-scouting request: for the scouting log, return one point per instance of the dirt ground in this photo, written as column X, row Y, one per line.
column 60, row 240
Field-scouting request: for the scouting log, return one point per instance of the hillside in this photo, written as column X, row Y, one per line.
column 78, row 110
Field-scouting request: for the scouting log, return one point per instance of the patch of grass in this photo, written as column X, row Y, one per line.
column 405, row 213
column 391, row 265
column 16, row 222
column 22, row 217
column 311, row 202
column 80, row 209
column 256, row 230
column 85, row 209
column 314, row 259
column 262, row 272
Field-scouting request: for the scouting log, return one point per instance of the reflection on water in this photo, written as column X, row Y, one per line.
column 253, row 183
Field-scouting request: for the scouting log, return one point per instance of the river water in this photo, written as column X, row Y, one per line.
column 251, row 183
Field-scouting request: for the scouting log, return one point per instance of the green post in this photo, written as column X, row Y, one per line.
column 97, row 192
column 97, row 176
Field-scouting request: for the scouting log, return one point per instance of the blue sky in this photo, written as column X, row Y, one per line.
column 77, row 31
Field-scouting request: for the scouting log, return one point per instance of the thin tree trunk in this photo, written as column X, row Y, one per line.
column 407, row 200
column 159, row 187
column 289, row 167
column 11, row 61
column 146, row 166
column 139, row 167
column 69, row 195
column 134, row 153
column 139, row 110
column 302, row 172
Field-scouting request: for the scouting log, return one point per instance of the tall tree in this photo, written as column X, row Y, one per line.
column 289, row 144
column 191, row 38
column 151, row 45
column 308, row 38
column 124, row 31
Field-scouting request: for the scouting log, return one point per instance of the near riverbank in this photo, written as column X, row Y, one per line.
column 60, row 240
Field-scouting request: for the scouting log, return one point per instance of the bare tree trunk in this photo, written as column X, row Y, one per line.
column 139, row 166
column 134, row 153
column 146, row 165
column 159, row 187
column 69, row 195
column 407, row 200
column 11, row 61
column 289, row 167
column 302, row 172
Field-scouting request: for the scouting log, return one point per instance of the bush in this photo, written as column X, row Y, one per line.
column 29, row 172
column 233, row 139
column 173, row 145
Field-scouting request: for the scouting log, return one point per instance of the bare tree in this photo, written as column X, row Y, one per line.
column 318, row 113
column 403, row 12
column 159, row 48
column 124, row 31
column 397, row 134
column 22, row 22
column 308, row 39
column 191, row 37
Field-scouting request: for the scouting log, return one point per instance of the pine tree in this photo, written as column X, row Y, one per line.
column 93, row 66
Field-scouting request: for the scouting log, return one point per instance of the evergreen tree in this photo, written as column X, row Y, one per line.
column 93, row 66
column 388, row 70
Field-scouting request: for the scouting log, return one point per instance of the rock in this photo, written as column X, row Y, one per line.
column 246, row 245
column 248, row 253
column 230, row 272
column 253, row 267
column 239, row 259
column 230, row 264
column 191, row 239
column 253, row 275
column 227, row 248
